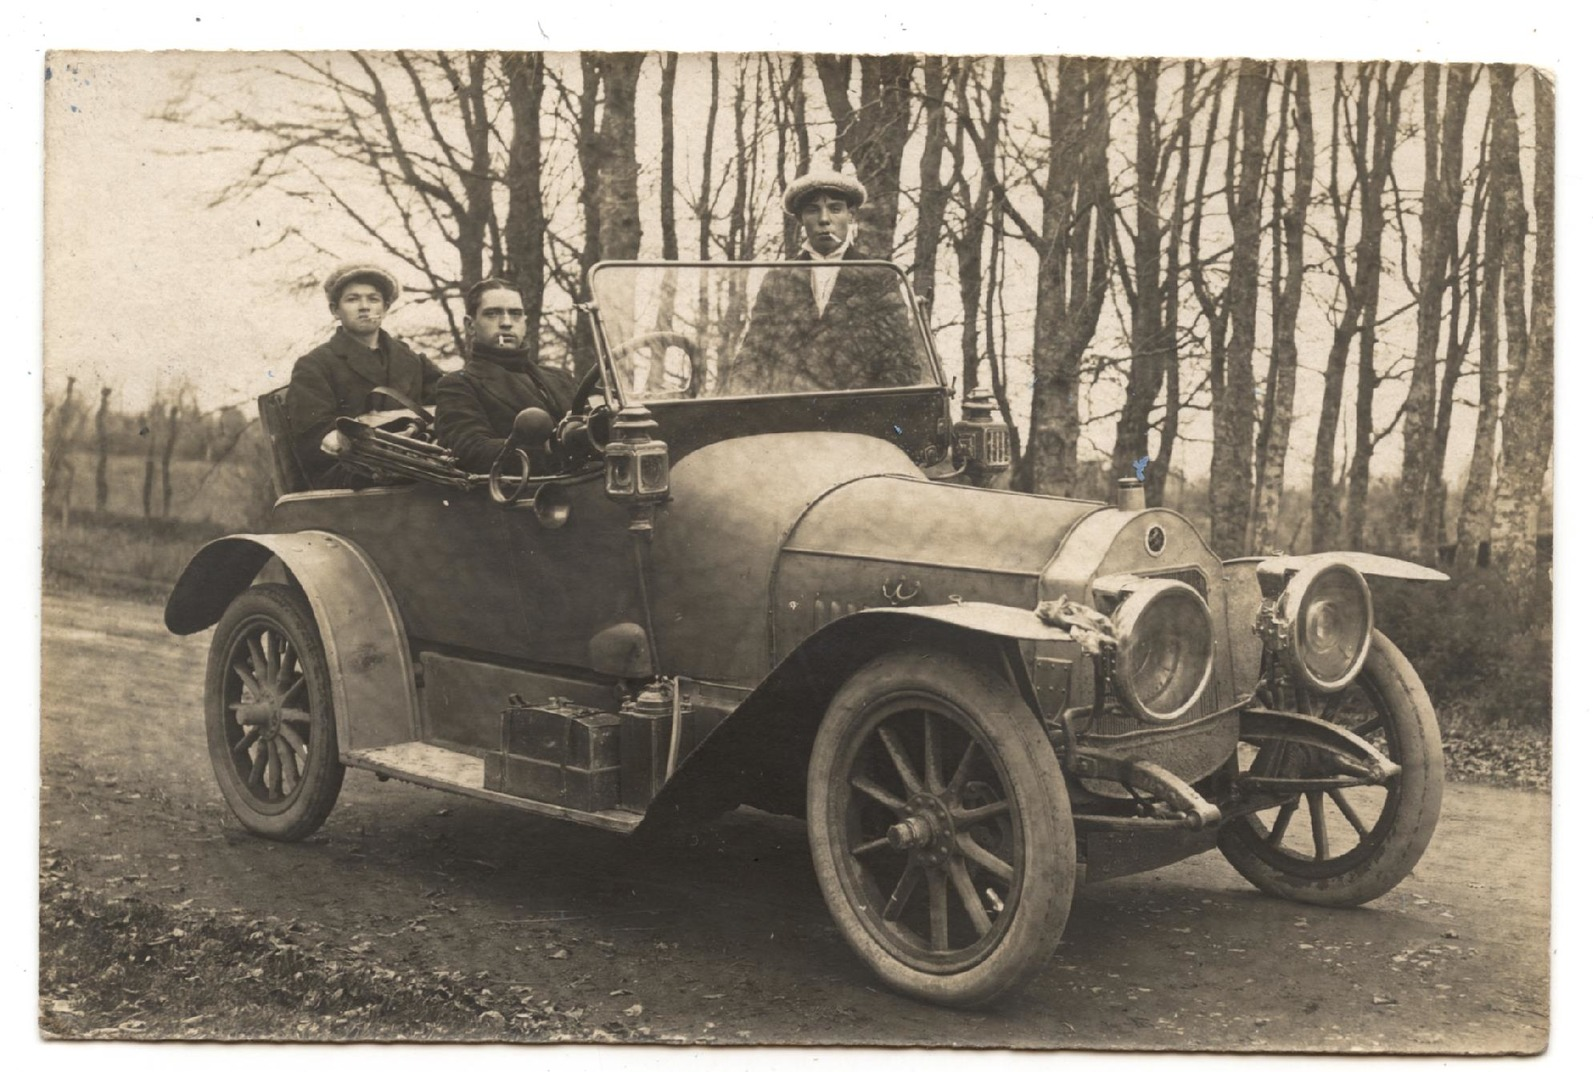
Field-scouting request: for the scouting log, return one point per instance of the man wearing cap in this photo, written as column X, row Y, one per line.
column 336, row 378
column 826, row 328
column 476, row 406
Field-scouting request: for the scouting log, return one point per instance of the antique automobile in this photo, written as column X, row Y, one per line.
column 780, row 580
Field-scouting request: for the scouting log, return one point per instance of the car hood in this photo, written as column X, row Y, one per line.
column 767, row 538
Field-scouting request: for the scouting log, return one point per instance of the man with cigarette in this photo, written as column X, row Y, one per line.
column 476, row 406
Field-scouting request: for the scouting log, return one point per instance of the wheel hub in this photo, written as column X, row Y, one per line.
column 928, row 829
column 265, row 715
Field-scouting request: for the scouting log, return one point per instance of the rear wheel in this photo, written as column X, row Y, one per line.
column 1344, row 847
column 268, row 715
column 940, row 827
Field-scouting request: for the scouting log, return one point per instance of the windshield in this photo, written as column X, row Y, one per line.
column 733, row 330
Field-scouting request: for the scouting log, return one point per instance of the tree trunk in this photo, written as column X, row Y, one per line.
column 1075, row 263
column 873, row 135
column 151, row 422
column 968, row 243
column 1371, row 148
column 102, row 451
column 1444, row 128
column 172, row 416
column 1527, row 431
column 1285, row 317
column 1147, row 342
column 1233, row 383
column 932, row 193
column 666, row 161
column 1476, row 505
column 1364, row 437
column 1158, row 472
column 606, row 150
column 1463, row 283
column 526, row 226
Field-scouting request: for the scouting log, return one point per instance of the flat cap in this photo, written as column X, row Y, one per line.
column 360, row 272
column 804, row 186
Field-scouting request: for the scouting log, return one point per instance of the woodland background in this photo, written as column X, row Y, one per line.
column 1319, row 297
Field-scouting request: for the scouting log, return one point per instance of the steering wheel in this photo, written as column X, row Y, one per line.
column 666, row 340
column 582, row 402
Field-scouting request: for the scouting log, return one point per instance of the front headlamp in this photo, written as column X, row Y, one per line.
column 1164, row 649
column 1321, row 624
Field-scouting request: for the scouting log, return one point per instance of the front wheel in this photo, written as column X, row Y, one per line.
column 1349, row 845
column 940, row 827
column 268, row 715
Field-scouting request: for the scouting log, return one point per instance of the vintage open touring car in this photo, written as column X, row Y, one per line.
column 802, row 599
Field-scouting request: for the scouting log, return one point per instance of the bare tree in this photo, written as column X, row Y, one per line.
column 978, row 123
column 174, row 414
column 1444, row 126
column 1144, row 292
column 872, row 134
column 1476, row 508
column 1527, row 428
column 1369, row 137
column 1232, row 311
column 102, row 451
column 932, row 193
column 525, row 230
column 1189, row 107
column 58, row 444
column 1074, row 243
column 1288, row 259
column 606, row 146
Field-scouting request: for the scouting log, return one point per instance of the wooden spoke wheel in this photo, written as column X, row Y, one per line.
column 940, row 827
column 268, row 715
column 1345, row 846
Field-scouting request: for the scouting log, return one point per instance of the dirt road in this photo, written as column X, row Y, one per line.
column 722, row 936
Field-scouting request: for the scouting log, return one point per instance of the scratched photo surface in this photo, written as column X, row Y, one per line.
column 1287, row 307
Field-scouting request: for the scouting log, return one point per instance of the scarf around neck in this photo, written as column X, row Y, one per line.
column 513, row 360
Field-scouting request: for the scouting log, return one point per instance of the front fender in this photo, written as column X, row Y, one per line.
column 759, row 754
column 362, row 634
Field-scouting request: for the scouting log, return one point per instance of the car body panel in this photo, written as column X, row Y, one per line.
column 715, row 545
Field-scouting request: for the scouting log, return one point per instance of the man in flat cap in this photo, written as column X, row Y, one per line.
column 336, row 378
column 476, row 406
column 829, row 327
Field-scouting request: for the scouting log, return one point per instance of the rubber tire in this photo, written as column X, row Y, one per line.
column 1038, row 790
column 313, row 800
column 1414, row 727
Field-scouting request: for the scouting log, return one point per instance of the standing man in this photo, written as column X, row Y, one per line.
column 829, row 327
column 336, row 378
column 476, row 406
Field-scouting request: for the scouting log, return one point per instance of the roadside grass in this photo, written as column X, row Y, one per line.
column 131, row 968
column 230, row 492
column 114, row 554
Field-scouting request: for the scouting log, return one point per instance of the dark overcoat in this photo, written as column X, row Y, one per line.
column 476, row 407
column 335, row 380
column 863, row 338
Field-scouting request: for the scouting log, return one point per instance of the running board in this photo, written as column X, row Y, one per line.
column 462, row 772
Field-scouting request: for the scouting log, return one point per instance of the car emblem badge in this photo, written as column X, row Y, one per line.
column 1155, row 539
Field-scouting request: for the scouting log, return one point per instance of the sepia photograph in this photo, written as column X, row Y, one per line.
column 1030, row 549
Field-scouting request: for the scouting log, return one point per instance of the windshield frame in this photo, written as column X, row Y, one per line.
column 613, row 387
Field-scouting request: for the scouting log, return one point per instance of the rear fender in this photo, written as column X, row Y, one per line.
column 759, row 754
column 362, row 634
